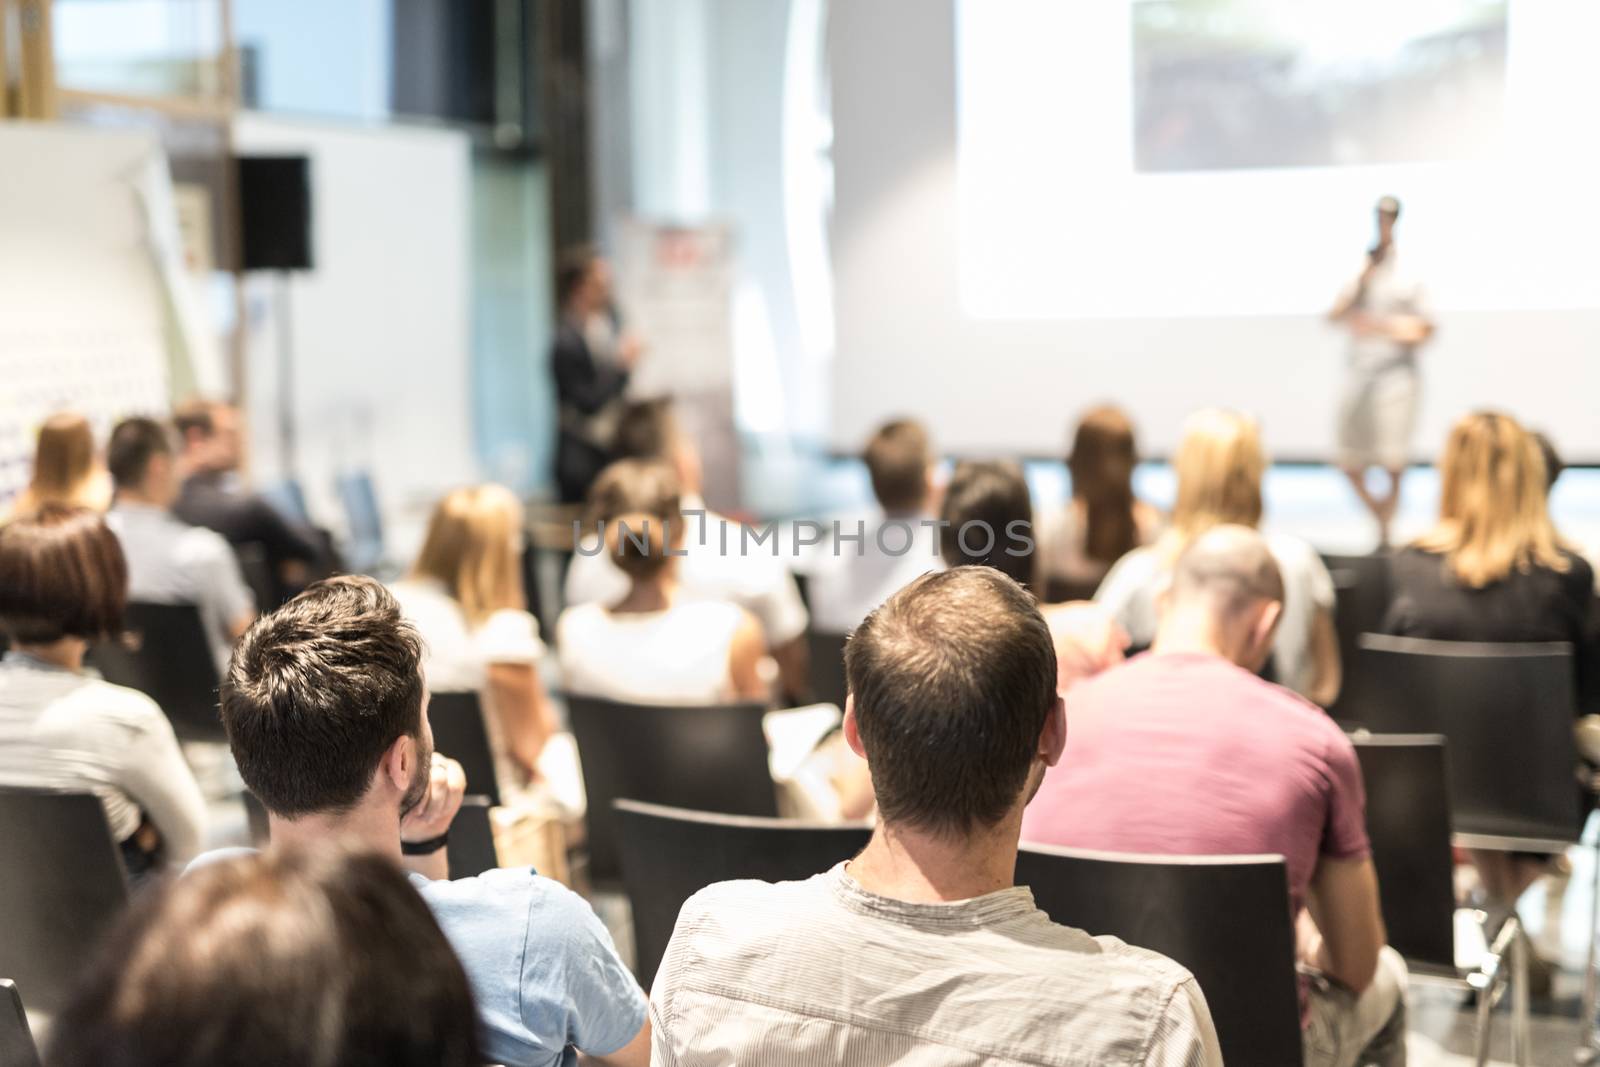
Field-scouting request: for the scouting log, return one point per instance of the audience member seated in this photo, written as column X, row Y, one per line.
column 1185, row 751
column 894, row 545
column 62, row 583
column 921, row 949
column 169, row 561
column 66, row 468
column 655, row 643
column 718, row 563
column 1494, row 569
column 465, row 597
column 213, row 496
column 1220, row 464
column 325, row 708
column 1103, row 521
column 303, row 958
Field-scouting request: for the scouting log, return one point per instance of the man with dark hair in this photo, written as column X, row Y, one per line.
column 1191, row 719
column 591, row 360
column 987, row 518
column 169, row 561
column 874, row 555
column 921, row 948
column 325, row 708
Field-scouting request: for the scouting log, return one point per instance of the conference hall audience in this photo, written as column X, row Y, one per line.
column 922, row 948
column 655, row 643
column 325, row 709
column 1220, row 464
column 465, row 596
column 720, row 562
column 170, row 561
column 1103, row 520
column 320, row 959
column 1185, row 751
column 63, row 583
column 881, row 552
column 66, row 468
column 214, row 496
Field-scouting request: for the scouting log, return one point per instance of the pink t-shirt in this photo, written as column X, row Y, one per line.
column 1184, row 754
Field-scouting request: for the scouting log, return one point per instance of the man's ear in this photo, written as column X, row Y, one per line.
column 1266, row 628
column 399, row 763
column 1053, row 738
column 852, row 731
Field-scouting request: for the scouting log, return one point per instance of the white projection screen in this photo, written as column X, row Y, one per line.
column 1043, row 205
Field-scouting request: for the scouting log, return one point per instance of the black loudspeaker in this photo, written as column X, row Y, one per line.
column 275, row 212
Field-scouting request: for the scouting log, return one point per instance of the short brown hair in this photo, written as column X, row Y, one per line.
column 638, row 504
column 572, row 270
column 317, row 691
column 953, row 679
column 196, row 416
column 898, row 458
column 647, row 429
column 62, row 574
column 992, row 496
column 134, row 443
column 63, row 457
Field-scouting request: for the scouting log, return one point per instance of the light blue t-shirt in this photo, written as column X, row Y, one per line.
column 544, row 971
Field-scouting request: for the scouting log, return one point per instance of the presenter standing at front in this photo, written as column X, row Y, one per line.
column 1386, row 316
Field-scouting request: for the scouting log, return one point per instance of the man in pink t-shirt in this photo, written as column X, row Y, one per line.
column 1185, row 751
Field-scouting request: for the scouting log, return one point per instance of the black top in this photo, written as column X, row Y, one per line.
column 243, row 518
column 585, row 386
column 1539, row 605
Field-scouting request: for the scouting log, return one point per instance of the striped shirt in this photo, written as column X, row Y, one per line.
column 823, row 972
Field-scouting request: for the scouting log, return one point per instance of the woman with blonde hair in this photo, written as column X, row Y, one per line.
column 67, row 469
column 654, row 646
column 1220, row 466
column 465, row 596
column 1103, row 521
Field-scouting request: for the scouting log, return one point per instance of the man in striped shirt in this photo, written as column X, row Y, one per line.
column 921, row 950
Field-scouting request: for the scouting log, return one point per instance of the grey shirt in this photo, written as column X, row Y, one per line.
column 824, row 972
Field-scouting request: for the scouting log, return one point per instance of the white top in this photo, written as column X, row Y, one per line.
column 171, row 562
column 63, row 730
column 1391, row 290
column 721, row 562
column 677, row 656
column 1131, row 590
column 874, row 559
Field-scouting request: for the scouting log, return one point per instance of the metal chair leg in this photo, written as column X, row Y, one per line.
column 1490, row 981
column 1588, row 1051
column 1519, row 996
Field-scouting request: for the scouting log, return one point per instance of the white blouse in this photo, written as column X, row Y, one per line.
column 677, row 656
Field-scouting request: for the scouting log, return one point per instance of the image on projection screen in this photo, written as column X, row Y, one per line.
column 1236, row 84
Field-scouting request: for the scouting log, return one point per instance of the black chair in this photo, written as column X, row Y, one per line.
column 470, row 850
column 669, row 854
column 827, row 667
column 16, row 1039
column 61, row 885
column 708, row 758
column 1362, row 589
column 164, row 654
column 1506, row 711
column 1224, row 918
column 460, row 733
column 257, row 572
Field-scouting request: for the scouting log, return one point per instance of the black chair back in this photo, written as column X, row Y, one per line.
column 1362, row 589
column 669, row 854
column 165, row 655
column 61, row 884
column 1224, row 918
column 460, row 733
column 16, row 1039
column 1408, row 822
column 827, row 667
column 1506, row 711
column 257, row 572
column 470, row 850
column 709, row 758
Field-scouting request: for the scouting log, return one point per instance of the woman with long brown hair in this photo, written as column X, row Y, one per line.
column 1103, row 521
column 67, row 469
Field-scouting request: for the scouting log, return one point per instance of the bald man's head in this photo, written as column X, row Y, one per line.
column 1226, row 591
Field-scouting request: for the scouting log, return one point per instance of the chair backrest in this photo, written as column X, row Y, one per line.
column 708, row 758
column 460, row 733
column 1362, row 588
column 470, row 850
column 1408, row 822
column 363, row 519
column 61, row 885
column 165, row 655
column 264, row 585
column 16, row 1039
column 827, row 667
column 1507, row 712
column 669, row 854
column 1225, row 918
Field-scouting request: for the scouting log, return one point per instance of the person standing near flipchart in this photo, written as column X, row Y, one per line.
column 591, row 360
